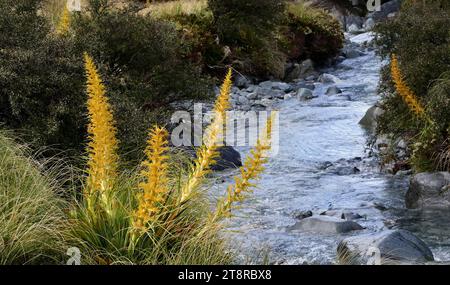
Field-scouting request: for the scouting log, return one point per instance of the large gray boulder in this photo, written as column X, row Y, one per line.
column 326, row 225
column 387, row 247
column 299, row 70
column 369, row 121
column 228, row 158
column 429, row 190
column 328, row 78
column 387, row 9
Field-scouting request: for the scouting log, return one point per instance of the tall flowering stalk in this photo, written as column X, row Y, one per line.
column 64, row 22
column 154, row 188
column 208, row 152
column 250, row 171
column 404, row 91
column 103, row 145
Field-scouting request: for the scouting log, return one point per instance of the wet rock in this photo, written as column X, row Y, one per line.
column 283, row 86
column 369, row 121
column 380, row 206
column 303, row 84
column 300, row 215
column 328, row 78
column 353, row 28
column 228, row 158
column 428, row 190
column 326, row 224
column 252, row 96
column 242, row 81
column 333, row 90
column 350, row 52
column 386, row 9
column 305, row 94
column 301, row 70
column 369, row 24
column 346, row 170
column 243, row 100
column 391, row 246
column 345, row 215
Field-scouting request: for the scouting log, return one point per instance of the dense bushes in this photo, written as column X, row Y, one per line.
column 424, row 57
column 41, row 75
column 311, row 33
column 41, row 78
column 144, row 66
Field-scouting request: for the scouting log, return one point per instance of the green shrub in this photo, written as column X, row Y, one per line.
column 311, row 33
column 250, row 29
column 144, row 65
column 420, row 37
column 41, row 78
column 32, row 222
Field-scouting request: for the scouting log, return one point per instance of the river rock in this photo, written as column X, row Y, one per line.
column 369, row 24
column 369, row 121
column 228, row 158
column 243, row 100
column 326, row 224
column 387, row 9
column 333, row 90
column 241, row 81
column 305, row 94
column 300, row 215
column 301, row 70
column 393, row 247
column 429, row 189
column 350, row 52
column 328, row 78
column 283, row 86
column 345, row 215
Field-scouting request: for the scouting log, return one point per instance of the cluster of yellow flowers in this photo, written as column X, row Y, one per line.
column 403, row 90
column 154, row 188
column 64, row 22
column 103, row 158
column 103, row 145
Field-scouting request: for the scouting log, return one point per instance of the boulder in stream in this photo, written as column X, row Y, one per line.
column 387, row 247
column 326, row 225
column 369, row 121
column 429, row 189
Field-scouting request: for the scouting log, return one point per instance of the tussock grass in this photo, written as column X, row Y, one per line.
column 32, row 222
column 176, row 8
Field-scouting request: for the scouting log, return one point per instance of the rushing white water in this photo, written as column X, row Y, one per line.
column 314, row 133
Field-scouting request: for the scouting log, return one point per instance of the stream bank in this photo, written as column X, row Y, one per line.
column 326, row 168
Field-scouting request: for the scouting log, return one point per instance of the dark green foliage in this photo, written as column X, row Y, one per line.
column 250, row 29
column 144, row 68
column 421, row 39
column 311, row 33
column 244, row 22
column 41, row 78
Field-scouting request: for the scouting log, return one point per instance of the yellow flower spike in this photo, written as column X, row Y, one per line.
column 403, row 90
column 250, row 171
column 154, row 188
column 64, row 22
column 103, row 145
column 208, row 152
